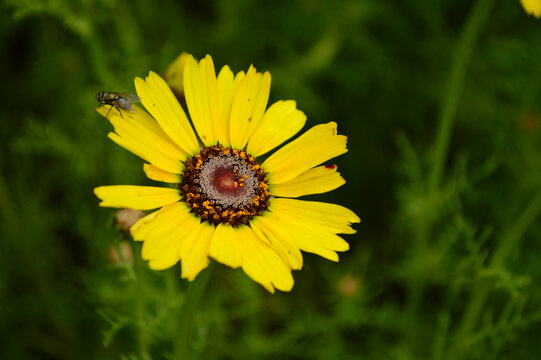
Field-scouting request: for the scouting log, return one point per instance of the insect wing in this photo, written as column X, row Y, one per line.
column 123, row 104
column 129, row 97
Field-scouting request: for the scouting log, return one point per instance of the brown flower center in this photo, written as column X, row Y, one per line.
column 224, row 185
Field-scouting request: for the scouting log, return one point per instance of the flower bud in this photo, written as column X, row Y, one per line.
column 125, row 218
column 349, row 285
column 121, row 253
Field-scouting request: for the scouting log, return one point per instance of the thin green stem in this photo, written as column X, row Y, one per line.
column 184, row 326
column 455, row 82
column 140, row 308
column 124, row 263
column 453, row 91
column 507, row 243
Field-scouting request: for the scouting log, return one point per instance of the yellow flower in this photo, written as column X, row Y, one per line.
column 174, row 75
column 224, row 204
column 532, row 7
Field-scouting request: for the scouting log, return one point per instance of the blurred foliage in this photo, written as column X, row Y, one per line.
column 441, row 104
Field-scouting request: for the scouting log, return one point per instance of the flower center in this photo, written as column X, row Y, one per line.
column 224, row 185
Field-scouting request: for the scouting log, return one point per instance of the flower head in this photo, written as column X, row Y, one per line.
column 224, row 203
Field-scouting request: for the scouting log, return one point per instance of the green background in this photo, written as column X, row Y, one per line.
column 440, row 101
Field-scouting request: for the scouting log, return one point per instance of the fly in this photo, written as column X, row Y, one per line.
column 117, row 100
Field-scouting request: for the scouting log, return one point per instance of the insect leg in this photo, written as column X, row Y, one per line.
column 106, row 116
column 120, row 112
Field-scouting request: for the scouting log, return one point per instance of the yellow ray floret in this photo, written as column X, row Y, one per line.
column 201, row 90
column 194, row 249
column 164, row 237
column 312, row 148
column 281, row 240
column 318, row 180
column 136, row 197
column 140, row 134
column 281, row 121
column 336, row 218
column 209, row 99
column 171, row 234
column 309, row 237
column 157, row 174
column 241, row 247
column 262, row 263
column 226, row 89
column 146, row 225
column 248, row 106
column 160, row 101
column 226, row 247
column 301, row 235
column 163, row 233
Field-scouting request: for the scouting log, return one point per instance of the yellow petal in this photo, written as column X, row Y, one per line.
column 201, row 90
column 314, row 181
column 312, row 148
column 141, row 228
column 331, row 216
column 262, row 263
column 226, row 88
column 160, row 101
column 166, row 234
column 279, row 239
column 174, row 75
column 136, row 197
column 239, row 78
column 248, row 106
column 163, row 232
column 304, row 241
column 168, row 253
column 162, row 252
column 209, row 99
column 139, row 133
column 157, row 174
column 194, row 250
column 151, row 225
column 532, row 7
column 226, row 247
column 281, row 121
column 305, row 234
column 309, row 236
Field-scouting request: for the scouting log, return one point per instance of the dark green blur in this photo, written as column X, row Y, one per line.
column 441, row 102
